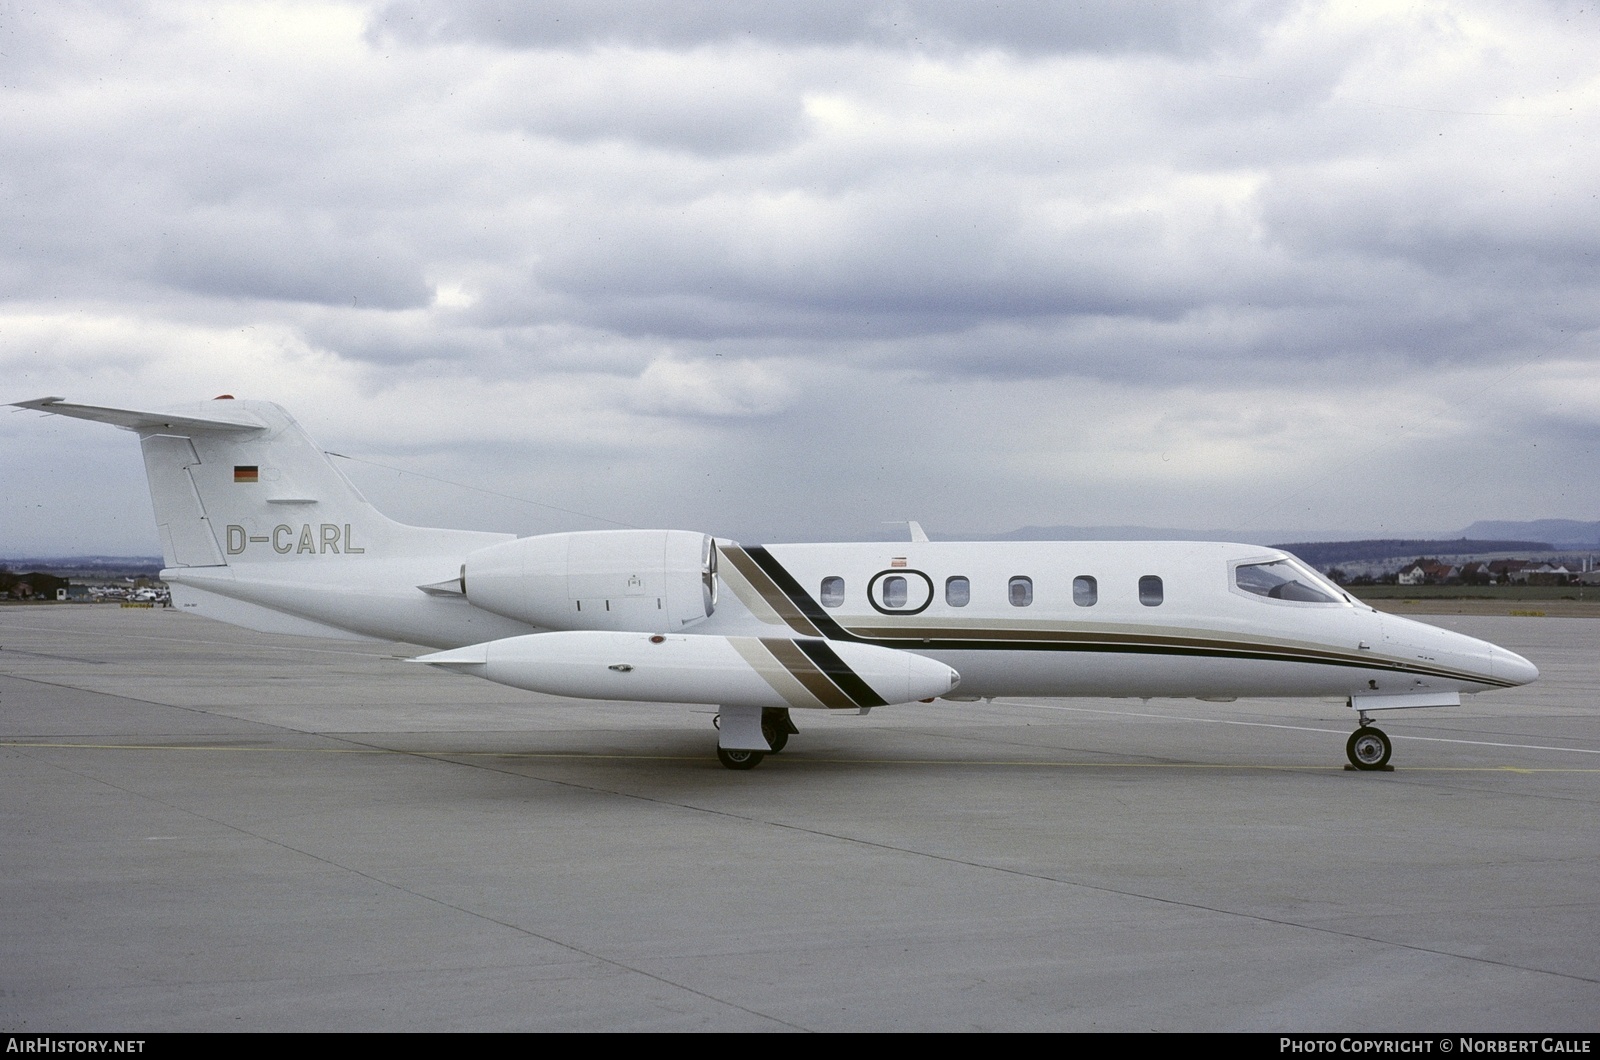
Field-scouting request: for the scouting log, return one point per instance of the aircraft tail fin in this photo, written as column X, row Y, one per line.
column 240, row 481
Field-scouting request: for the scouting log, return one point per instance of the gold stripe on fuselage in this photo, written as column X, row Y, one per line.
column 791, row 673
column 761, row 595
column 1009, row 635
column 806, row 672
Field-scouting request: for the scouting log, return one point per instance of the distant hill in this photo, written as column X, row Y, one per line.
column 1562, row 533
column 1323, row 554
column 87, row 568
column 1141, row 533
column 1538, row 535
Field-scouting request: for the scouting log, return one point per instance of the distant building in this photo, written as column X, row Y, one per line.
column 1509, row 570
column 1548, row 574
column 1428, row 572
column 35, row 585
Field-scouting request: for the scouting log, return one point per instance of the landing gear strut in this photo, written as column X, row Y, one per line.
column 1368, row 748
column 740, row 728
column 776, row 726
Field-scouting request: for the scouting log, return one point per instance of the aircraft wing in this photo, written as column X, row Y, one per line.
column 140, row 419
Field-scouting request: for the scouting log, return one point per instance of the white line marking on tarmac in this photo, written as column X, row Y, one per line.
column 215, row 643
column 1298, row 728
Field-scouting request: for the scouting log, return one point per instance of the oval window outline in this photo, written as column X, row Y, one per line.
column 919, row 591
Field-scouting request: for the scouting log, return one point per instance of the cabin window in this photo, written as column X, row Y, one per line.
column 894, row 592
column 832, row 591
column 957, row 591
column 1020, row 591
column 1150, row 591
column 1282, row 580
column 1085, row 591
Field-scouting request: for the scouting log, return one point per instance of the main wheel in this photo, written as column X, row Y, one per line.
column 738, row 759
column 776, row 735
column 1368, row 748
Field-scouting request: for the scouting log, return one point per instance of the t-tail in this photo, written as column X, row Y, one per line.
column 259, row 528
column 240, row 481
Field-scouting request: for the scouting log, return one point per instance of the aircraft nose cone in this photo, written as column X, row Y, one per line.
column 1509, row 666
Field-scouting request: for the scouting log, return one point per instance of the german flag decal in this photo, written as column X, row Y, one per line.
column 246, row 473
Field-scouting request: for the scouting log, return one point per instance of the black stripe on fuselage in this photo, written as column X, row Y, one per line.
column 801, row 600
column 850, row 683
column 953, row 640
column 819, row 685
column 1211, row 651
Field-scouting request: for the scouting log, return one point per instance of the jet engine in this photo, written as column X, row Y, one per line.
column 650, row 581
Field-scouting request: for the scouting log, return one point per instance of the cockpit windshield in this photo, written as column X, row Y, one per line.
column 1285, row 579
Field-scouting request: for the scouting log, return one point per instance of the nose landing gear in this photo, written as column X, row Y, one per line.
column 1368, row 748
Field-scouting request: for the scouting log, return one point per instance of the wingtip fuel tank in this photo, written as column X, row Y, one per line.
column 776, row 672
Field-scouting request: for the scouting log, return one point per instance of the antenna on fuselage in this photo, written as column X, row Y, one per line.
column 917, row 533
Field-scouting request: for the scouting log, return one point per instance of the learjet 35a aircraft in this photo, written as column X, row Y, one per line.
column 260, row 529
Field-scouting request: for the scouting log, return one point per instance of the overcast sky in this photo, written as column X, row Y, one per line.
column 792, row 270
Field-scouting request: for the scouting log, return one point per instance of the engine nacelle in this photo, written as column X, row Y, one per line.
column 652, row 581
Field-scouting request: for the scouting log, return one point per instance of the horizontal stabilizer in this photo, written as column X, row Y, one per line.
column 235, row 419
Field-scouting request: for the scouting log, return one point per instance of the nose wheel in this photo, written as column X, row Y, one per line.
column 1369, row 748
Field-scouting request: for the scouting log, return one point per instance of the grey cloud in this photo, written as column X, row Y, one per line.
column 677, row 105
column 262, row 256
column 1052, row 252
column 872, row 265
column 1445, row 223
column 1024, row 26
column 35, row 39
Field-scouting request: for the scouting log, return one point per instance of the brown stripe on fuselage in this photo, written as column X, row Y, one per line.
column 774, row 673
column 982, row 635
column 1048, row 635
column 1012, row 637
column 769, row 592
column 805, row 671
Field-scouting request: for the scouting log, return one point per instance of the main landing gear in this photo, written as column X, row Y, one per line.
column 1369, row 748
column 735, row 758
column 776, row 728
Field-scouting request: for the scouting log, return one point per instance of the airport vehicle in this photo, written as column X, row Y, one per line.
column 259, row 528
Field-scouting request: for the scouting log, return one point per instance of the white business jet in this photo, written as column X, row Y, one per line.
column 260, row 529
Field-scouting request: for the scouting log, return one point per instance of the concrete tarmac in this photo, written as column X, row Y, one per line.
column 205, row 828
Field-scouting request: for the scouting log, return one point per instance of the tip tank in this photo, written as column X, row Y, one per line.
column 690, row 668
